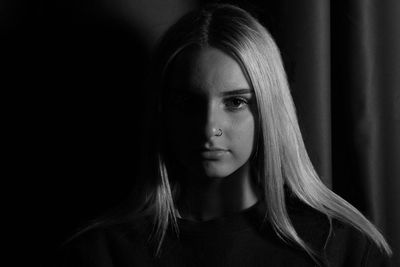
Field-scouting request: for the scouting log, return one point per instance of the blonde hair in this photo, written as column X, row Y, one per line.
column 281, row 157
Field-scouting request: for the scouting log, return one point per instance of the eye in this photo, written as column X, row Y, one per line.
column 236, row 103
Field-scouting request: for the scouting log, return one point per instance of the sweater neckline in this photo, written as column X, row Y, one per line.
column 237, row 221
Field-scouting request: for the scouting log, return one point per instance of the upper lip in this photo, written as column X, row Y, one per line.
column 212, row 148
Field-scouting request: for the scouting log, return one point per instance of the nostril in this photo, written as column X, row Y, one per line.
column 213, row 131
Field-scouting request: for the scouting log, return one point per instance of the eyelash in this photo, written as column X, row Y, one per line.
column 243, row 103
column 185, row 101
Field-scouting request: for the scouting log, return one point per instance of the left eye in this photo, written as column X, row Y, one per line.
column 236, row 102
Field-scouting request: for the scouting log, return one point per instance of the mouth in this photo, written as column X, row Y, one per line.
column 213, row 153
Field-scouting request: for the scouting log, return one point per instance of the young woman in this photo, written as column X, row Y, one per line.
column 228, row 181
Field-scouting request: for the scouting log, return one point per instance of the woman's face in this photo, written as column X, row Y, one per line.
column 210, row 113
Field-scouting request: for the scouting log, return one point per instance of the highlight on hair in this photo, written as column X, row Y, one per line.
column 281, row 158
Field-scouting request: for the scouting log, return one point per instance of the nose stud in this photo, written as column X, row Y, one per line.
column 219, row 132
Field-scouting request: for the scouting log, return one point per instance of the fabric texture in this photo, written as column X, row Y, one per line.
column 239, row 239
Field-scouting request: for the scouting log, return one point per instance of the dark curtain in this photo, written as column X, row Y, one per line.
column 74, row 130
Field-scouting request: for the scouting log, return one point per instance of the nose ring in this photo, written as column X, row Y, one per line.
column 219, row 133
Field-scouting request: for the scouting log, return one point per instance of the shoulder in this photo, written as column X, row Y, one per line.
column 341, row 243
column 310, row 224
column 348, row 246
column 102, row 245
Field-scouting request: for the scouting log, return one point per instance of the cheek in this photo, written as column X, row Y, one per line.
column 242, row 136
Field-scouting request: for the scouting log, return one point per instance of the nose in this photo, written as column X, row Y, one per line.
column 213, row 121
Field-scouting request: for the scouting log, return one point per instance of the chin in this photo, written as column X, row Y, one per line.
column 214, row 170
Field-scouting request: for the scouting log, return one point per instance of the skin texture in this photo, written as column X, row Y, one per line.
column 208, row 91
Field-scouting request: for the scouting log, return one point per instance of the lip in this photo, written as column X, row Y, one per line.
column 213, row 153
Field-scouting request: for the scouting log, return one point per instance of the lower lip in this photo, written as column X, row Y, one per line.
column 213, row 154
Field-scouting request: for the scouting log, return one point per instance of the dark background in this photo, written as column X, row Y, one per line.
column 75, row 75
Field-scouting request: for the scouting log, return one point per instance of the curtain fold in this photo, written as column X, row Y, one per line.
column 365, row 126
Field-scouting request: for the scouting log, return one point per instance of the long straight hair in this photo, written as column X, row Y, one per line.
column 281, row 158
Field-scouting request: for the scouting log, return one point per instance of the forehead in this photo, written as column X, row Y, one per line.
column 206, row 70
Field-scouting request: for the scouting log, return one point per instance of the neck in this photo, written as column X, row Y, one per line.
column 205, row 198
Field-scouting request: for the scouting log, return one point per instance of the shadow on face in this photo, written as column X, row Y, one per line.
column 210, row 113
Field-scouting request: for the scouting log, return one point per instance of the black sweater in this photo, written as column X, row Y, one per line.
column 234, row 240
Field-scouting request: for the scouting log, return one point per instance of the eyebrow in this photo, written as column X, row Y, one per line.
column 223, row 94
column 237, row 92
